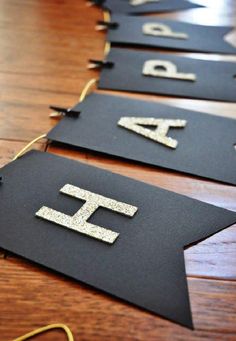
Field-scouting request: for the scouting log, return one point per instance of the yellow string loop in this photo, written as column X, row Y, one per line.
column 24, row 150
column 107, row 18
column 45, row 329
column 107, row 48
column 86, row 89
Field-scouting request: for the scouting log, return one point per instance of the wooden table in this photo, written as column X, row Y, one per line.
column 45, row 46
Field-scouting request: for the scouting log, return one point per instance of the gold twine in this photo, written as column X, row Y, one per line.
column 25, row 149
column 45, row 329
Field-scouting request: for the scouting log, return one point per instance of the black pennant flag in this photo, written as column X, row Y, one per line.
column 145, row 6
column 154, row 134
column 155, row 32
column 116, row 234
column 166, row 74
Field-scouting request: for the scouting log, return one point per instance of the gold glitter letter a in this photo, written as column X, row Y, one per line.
column 78, row 221
column 159, row 134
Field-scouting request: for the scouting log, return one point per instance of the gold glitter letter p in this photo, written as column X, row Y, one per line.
column 141, row 2
column 78, row 221
column 161, row 30
column 165, row 69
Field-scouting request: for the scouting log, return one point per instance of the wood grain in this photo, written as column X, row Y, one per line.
column 10, row 148
column 45, row 46
column 49, row 298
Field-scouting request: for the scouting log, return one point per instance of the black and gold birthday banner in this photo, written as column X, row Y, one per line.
column 116, row 234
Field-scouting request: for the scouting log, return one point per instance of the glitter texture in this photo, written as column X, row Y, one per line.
column 159, row 134
column 141, row 2
column 78, row 221
column 165, row 69
column 161, row 30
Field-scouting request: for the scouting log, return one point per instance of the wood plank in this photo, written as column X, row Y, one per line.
column 24, row 120
column 49, row 70
column 41, row 297
column 52, row 68
column 10, row 148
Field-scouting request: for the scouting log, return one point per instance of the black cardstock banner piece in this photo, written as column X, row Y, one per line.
column 138, row 7
column 205, row 145
column 214, row 80
column 184, row 36
column 144, row 266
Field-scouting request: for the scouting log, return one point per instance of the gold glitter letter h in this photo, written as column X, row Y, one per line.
column 78, row 221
